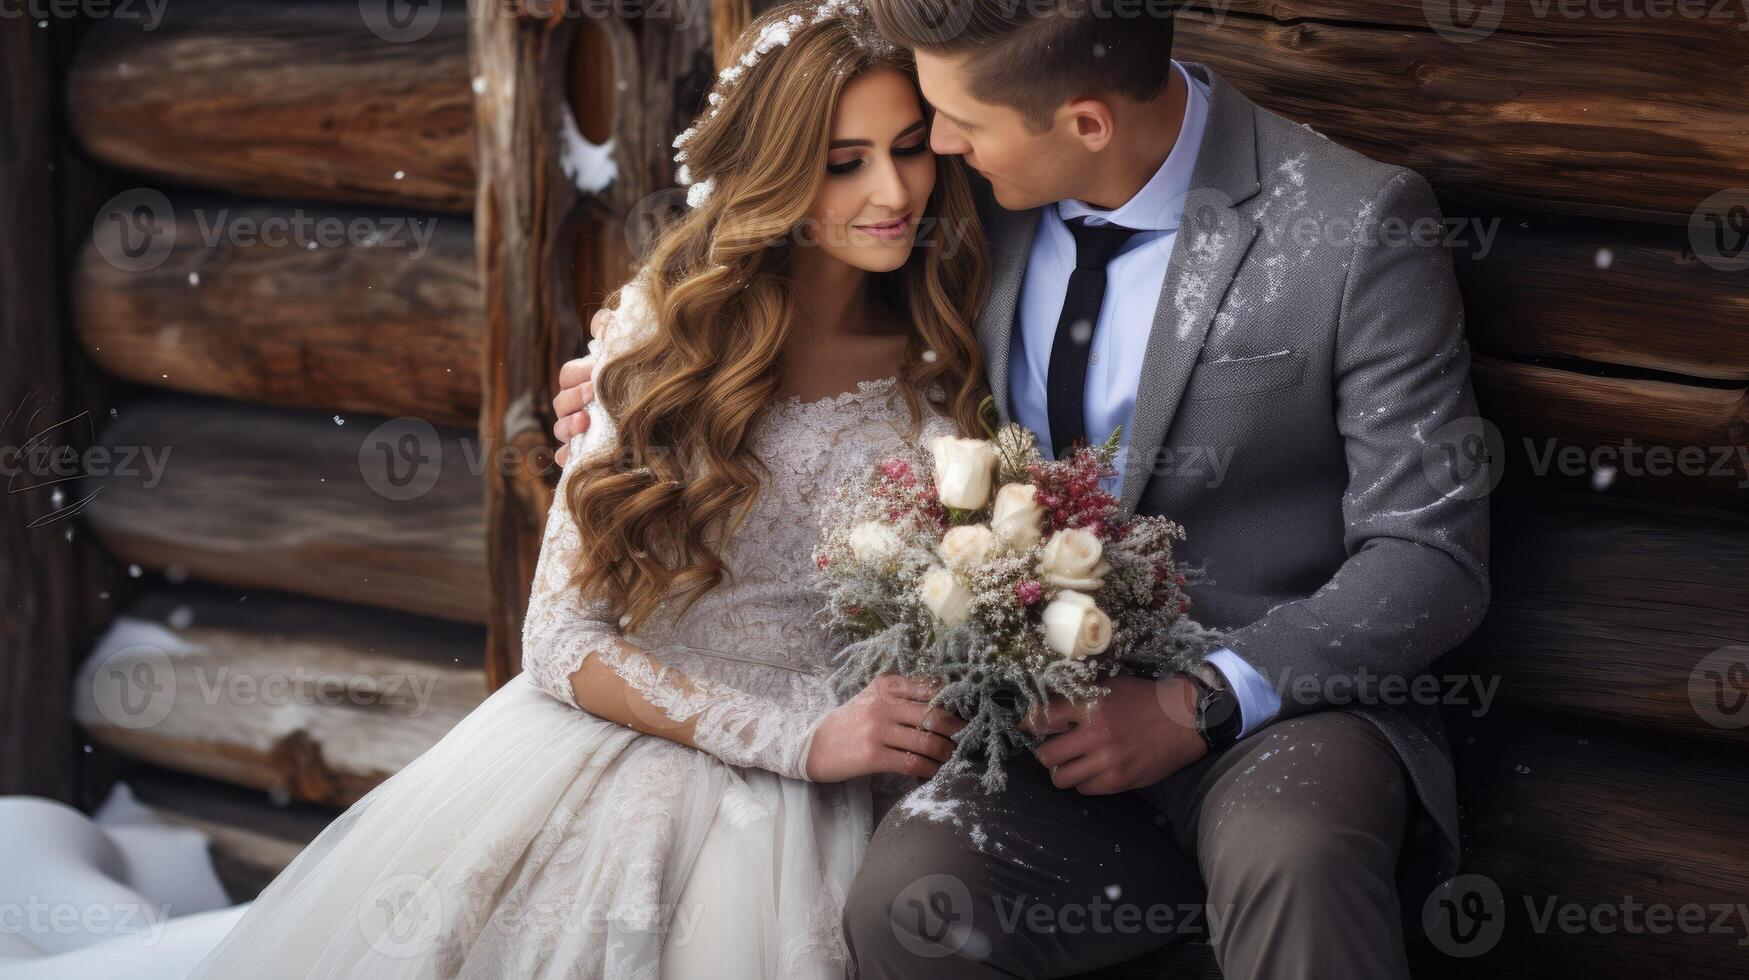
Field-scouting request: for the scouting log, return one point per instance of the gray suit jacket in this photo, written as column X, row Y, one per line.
column 1308, row 337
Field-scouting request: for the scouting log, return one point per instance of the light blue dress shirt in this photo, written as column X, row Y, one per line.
column 1120, row 336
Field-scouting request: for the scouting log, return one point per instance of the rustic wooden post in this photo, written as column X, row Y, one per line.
column 38, row 568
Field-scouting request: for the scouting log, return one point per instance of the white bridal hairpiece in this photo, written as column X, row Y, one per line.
column 772, row 35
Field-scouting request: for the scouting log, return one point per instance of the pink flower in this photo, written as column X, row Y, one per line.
column 1029, row 592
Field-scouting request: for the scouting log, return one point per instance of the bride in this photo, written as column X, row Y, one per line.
column 669, row 788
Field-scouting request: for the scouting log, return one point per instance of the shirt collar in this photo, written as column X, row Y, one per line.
column 1159, row 205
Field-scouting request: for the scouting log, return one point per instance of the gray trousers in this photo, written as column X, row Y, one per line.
column 1281, row 851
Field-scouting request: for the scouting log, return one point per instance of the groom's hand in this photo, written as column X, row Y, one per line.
column 576, row 390
column 1140, row 733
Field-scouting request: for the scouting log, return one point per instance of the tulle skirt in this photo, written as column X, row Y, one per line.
column 537, row 840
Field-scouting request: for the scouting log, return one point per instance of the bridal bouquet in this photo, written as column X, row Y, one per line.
column 1005, row 576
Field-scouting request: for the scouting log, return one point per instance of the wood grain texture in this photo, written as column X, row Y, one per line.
column 374, row 512
column 1605, row 292
column 1566, row 432
column 530, row 221
column 318, row 701
column 1639, row 119
column 39, row 572
column 1559, row 814
column 392, row 328
column 289, row 100
column 1605, row 614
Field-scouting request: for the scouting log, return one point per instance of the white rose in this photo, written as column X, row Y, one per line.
column 963, row 470
column 1071, row 560
column 1075, row 627
column 965, row 547
column 950, row 601
column 1018, row 517
column 873, row 542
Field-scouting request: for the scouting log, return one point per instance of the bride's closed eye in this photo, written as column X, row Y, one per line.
column 914, row 141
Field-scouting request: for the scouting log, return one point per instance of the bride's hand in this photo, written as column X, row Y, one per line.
column 887, row 727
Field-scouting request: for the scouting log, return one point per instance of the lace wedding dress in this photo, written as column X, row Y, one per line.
column 537, row 840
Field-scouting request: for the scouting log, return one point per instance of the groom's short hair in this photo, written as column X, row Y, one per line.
column 1034, row 55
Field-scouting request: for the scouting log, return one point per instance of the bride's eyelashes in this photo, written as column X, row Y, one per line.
column 847, row 166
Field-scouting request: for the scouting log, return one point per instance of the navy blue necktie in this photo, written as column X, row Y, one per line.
column 1066, row 382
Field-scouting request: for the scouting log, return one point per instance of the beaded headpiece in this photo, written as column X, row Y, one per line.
column 773, row 35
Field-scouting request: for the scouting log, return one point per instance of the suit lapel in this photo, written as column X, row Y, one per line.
column 1213, row 238
column 1010, row 236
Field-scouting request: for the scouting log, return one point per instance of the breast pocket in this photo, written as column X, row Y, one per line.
column 1230, row 378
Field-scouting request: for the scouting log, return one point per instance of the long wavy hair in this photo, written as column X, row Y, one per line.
column 654, row 512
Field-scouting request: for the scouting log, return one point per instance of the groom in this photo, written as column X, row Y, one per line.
column 1272, row 321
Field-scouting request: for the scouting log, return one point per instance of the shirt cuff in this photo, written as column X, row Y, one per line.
column 1258, row 701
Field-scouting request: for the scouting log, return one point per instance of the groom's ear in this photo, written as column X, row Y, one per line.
column 1091, row 121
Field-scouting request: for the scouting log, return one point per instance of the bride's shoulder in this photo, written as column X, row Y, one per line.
column 633, row 320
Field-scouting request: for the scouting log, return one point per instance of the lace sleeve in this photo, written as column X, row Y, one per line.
column 562, row 628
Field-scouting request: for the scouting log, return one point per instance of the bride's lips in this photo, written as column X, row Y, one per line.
column 895, row 228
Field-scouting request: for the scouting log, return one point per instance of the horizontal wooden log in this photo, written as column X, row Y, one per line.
column 288, row 100
column 382, row 315
column 1609, row 825
column 1611, row 615
column 252, row 837
column 357, row 509
column 1638, row 119
column 316, row 700
column 1607, row 292
column 1562, row 431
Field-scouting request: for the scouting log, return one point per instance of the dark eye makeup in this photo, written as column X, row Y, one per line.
column 920, row 144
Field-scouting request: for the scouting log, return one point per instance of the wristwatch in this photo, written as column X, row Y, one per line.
column 1217, row 708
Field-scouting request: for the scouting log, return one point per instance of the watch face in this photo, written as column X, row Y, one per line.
column 1218, row 718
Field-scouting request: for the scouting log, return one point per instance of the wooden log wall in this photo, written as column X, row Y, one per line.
column 38, row 577
column 551, row 203
column 286, row 281
column 313, row 700
column 293, row 100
